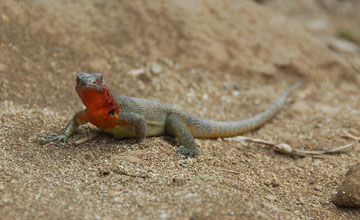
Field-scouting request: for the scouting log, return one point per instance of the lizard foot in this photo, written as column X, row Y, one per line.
column 57, row 139
column 187, row 152
column 140, row 139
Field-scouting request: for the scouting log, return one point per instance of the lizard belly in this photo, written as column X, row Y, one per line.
column 155, row 128
column 123, row 131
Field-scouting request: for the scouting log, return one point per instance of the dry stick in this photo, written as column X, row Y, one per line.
column 230, row 171
column 287, row 149
column 259, row 141
column 350, row 136
column 122, row 171
column 86, row 139
column 333, row 150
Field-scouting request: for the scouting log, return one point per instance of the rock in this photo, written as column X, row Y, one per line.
column 317, row 26
column 343, row 46
column 178, row 181
column 5, row 18
column 156, row 68
column 348, row 194
column 318, row 188
column 3, row 67
column 136, row 72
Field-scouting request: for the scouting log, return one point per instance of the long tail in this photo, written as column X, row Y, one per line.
column 203, row 128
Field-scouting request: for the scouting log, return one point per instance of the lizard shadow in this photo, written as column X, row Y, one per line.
column 170, row 140
column 110, row 143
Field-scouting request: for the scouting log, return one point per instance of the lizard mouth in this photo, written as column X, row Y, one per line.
column 90, row 81
column 81, row 85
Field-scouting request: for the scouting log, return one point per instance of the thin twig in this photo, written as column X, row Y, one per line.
column 230, row 171
column 243, row 138
column 287, row 149
column 350, row 136
column 330, row 151
column 86, row 139
column 122, row 171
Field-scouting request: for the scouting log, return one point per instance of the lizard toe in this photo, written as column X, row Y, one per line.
column 57, row 139
column 187, row 152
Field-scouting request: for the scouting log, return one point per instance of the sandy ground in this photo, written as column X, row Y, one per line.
column 222, row 60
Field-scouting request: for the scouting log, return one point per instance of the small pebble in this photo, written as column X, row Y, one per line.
column 236, row 86
column 3, row 67
column 318, row 188
column 178, row 181
column 2, row 187
column 342, row 46
column 136, row 72
column 317, row 25
column 5, row 18
column 156, row 68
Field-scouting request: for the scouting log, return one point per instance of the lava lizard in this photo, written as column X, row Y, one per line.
column 124, row 116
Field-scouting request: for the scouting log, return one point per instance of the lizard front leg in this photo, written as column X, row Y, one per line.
column 137, row 120
column 175, row 127
column 78, row 119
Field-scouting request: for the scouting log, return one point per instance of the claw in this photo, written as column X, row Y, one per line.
column 57, row 139
column 187, row 152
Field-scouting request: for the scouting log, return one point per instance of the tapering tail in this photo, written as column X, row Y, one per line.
column 203, row 128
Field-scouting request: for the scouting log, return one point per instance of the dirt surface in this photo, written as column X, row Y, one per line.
column 222, row 60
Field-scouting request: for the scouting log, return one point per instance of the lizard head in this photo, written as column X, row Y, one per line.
column 93, row 91
column 85, row 81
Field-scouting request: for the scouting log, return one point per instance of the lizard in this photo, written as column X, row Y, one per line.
column 124, row 116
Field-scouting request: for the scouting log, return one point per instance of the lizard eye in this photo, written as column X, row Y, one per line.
column 100, row 80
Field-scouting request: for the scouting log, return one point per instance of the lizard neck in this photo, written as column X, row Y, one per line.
column 98, row 102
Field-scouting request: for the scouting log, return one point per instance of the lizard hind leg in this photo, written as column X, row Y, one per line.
column 175, row 127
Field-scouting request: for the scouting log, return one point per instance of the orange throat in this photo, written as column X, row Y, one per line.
column 101, row 109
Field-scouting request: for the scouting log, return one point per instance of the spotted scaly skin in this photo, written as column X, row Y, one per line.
column 124, row 116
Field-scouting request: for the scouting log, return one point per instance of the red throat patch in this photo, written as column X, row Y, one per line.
column 101, row 109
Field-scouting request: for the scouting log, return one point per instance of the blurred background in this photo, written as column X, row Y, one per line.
column 222, row 60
